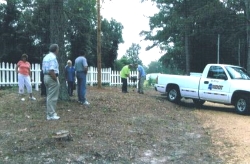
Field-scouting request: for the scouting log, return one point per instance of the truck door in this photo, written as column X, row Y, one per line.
column 215, row 87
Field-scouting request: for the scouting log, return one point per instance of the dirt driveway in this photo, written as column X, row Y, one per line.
column 230, row 132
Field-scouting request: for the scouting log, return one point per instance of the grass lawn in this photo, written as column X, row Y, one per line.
column 116, row 128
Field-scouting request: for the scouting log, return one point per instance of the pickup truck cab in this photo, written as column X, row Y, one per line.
column 219, row 83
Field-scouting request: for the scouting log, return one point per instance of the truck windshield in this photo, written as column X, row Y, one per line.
column 237, row 73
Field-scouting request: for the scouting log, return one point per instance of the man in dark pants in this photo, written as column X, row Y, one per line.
column 81, row 68
column 125, row 73
column 141, row 77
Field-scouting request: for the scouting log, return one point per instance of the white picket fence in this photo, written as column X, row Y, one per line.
column 8, row 76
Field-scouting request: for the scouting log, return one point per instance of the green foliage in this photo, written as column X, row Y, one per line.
column 199, row 22
column 112, row 37
column 151, row 81
column 25, row 28
column 132, row 54
column 191, row 27
column 81, row 29
column 157, row 67
column 121, row 62
column 174, row 59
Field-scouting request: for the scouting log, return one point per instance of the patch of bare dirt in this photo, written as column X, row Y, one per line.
column 117, row 128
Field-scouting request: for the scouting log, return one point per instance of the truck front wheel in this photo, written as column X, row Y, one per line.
column 173, row 94
column 242, row 105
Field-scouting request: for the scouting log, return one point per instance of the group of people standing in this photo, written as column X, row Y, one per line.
column 125, row 73
column 50, row 70
column 50, row 73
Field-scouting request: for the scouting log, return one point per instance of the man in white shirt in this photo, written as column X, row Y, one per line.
column 50, row 69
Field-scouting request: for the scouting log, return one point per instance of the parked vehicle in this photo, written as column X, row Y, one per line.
column 219, row 83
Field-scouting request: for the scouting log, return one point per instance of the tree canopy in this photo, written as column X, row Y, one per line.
column 193, row 28
column 132, row 54
column 191, row 32
column 25, row 28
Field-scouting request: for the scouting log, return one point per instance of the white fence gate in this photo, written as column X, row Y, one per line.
column 8, row 76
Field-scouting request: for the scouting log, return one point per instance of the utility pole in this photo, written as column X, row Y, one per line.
column 239, row 53
column 248, row 34
column 218, row 50
column 99, row 57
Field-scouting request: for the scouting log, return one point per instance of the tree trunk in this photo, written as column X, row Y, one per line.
column 57, row 36
column 187, row 54
column 248, row 34
column 99, row 60
column 187, row 40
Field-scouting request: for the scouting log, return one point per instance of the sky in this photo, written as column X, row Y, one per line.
column 133, row 15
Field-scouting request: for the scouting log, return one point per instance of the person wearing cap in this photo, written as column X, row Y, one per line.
column 50, row 69
column 23, row 69
column 70, row 77
column 141, row 77
column 125, row 73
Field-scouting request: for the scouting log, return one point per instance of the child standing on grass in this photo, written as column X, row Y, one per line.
column 23, row 70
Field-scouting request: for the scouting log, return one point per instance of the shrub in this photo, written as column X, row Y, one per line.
column 151, row 81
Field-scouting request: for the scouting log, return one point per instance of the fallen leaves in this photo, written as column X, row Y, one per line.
column 115, row 128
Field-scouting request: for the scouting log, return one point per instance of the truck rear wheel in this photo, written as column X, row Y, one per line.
column 198, row 102
column 173, row 94
column 242, row 105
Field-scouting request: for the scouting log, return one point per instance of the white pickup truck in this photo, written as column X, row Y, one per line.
column 219, row 83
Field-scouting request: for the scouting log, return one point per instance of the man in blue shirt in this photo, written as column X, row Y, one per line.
column 141, row 78
column 81, row 68
column 50, row 69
